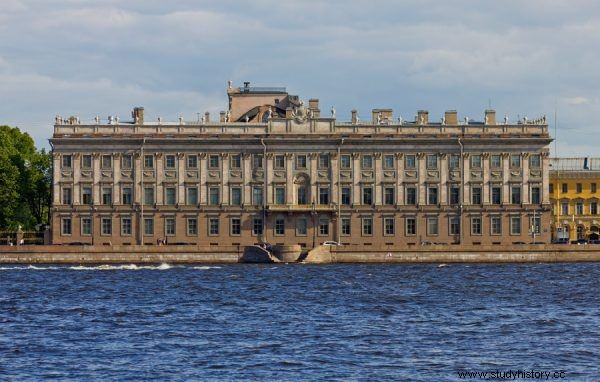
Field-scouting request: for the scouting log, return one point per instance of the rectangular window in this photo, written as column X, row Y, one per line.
column 515, row 225
column 236, row 161
column 476, row 225
column 432, row 226
column 214, row 197
column 66, row 228
column 536, row 195
column 125, row 226
column 192, row 161
column 411, row 195
column 551, row 188
column 257, row 226
column 564, row 208
column 389, row 196
column 454, row 225
column 257, row 196
column 323, row 195
column 106, row 161
column 515, row 194
column 346, row 196
column 257, row 161
column 191, row 195
column 346, row 231
column 86, row 195
column 495, row 161
column 279, row 162
column 86, row 226
column 454, row 162
column 302, row 196
column 67, row 162
column 323, row 226
column 411, row 226
column 432, row 195
column 579, row 208
column 280, row 195
column 476, row 195
column 565, row 188
column 367, row 195
column 66, row 195
column 192, row 226
column 236, row 196
column 367, row 162
column 476, row 161
column 496, row 225
column 535, row 161
column 515, row 161
column 106, row 226
column 170, row 161
column 213, row 226
column 301, row 226
column 593, row 208
column 301, row 161
column 126, row 162
column 593, row 188
column 127, row 195
column 496, row 195
column 149, row 161
column 410, row 162
column 454, row 195
column 106, row 195
column 432, row 162
column 170, row 196
column 345, row 162
column 323, row 161
column 367, row 226
column 213, row 161
column 148, row 226
column 86, row 162
column 578, row 188
column 236, row 226
column 535, row 224
column 389, row 226
column 388, row 161
column 279, row 226
column 149, row 195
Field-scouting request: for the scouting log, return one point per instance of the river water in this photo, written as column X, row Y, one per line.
column 298, row 322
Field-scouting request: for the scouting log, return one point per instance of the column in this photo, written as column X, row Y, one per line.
column 466, row 169
column 378, row 173
column 56, row 176
column 202, row 166
column 505, row 178
column 159, row 172
column 138, row 192
column 268, row 193
column 525, row 178
column 181, row 178
column 355, row 178
column 546, row 178
column 96, row 179
column 334, row 174
column 314, row 195
column 421, row 176
column 486, row 178
column 76, row 179
column 289, row 178
column 246, row 165
column 399, row 178
column 225, row 178
column 116, row 178
column 444, row 168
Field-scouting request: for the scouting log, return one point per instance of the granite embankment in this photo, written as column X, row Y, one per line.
column 176, row 254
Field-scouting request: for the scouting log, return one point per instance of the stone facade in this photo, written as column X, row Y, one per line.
column 295, row 177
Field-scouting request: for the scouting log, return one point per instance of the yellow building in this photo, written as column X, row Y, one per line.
column 574, row 196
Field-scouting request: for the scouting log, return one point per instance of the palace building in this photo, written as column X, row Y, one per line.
column 575, row 198
column 274, row 169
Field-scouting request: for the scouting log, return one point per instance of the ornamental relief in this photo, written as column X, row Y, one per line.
column 126, row 174
column 366, row 174
column 279, row 174
column 535, row 173
column 66, row 174
column 192, row 174
column 148, row 174
column 86, row 174
column 389, row 174
column 433, row 174
column 257, row 173
column 323, row 174
column 214, row 174
column 346, row 174
column 410, row 174
column 476, row 175
column 107, row 174
column 170, row 174
column 496, row 174
column 454, row 175
column 235, row 174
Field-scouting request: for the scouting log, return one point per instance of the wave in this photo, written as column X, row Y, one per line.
column 108, row 267
column 205, row 267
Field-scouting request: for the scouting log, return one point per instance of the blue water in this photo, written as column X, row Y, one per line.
column 297, row 322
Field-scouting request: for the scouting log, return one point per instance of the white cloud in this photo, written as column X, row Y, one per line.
column 576, row 100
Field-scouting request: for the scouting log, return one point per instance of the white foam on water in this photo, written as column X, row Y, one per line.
column 32, row 267
column 205, row 267
column 126, row 267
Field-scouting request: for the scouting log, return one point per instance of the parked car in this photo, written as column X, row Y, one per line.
column 594, row 242
column 579, row 241
column 561, row 241
column 331, row 242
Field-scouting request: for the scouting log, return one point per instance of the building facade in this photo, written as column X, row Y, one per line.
column 274, row 170
column 575, row 198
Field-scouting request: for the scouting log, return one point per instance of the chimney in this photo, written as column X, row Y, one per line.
column 206, row 117
column 451, row 117
column 490, row 117
column 313, row 105
column 138, row 115
column 354, row 117
column 222, row 117
column 422, row 117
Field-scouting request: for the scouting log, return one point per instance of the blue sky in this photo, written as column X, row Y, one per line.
column 88, row 58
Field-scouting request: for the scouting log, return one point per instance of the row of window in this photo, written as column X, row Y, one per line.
column 235, row 226
column 578, row 188
column 324, row 197
column 579, row 208
column 301, row 162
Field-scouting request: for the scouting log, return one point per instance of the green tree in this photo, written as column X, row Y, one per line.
column 25, row 180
